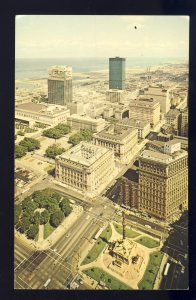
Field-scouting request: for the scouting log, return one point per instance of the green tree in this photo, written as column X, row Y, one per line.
column 45, row 217
column 65, row 207
column 20, row 151
column 86, row 134
column 56, row 218
column 30, row 144
column 32, row 232
column 37, row 217
column 17, row 213
column 75, row 139
column 64, row 128
column 28, row 204
column 54, row 150
column 24, row 223
column 53, row 133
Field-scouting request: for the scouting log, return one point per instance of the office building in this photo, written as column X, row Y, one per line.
column 163, row 182
column 44, row 113
column 117, row 73
column 173, row 118
column 145, row 110
column 119, row 138
column 183, row 123
column 115, row 96
column 143, row 127
column 60, row 85
column 84, row 122
column 159, row 94
column 129, row 188
column 85, row 167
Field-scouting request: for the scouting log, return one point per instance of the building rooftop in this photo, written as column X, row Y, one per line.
column 115, row 132
column 145, row 102
column 60, row 72
column 84, row 153
column 156, row 91
column 133, row 122
column 85, row 118
column 132, row 175
column 42, row 108
column 172, row 113
column 161, row 157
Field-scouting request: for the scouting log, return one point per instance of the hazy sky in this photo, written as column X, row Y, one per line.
column 101, row 36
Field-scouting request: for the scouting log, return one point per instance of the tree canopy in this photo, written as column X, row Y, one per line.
column 32, row 231
column 30, row 144
column 65, row 206
column 27, row 218
column 58, row 131
column 56, row 218
column 54, row 150
column 20, row 151
column 83, row 135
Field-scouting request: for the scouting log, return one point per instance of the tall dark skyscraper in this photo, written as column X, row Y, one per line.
column 117, row 73
column 60, row 85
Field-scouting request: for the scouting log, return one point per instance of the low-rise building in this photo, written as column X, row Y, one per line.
column 83, row 122
column 85, row 167
column 41, row 112
column 143, row 127
column 119, row 138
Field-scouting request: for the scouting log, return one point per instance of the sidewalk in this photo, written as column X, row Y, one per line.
column 160, row 272
column 42, row 244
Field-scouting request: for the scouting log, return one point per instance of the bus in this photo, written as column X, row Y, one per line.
column 98, row 233
column 166, row 269
column 47, row 282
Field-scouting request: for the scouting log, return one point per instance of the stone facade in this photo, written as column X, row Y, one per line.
column 129, row 189
column 115, row 96
column 159, row 94
column 143, row 127
column 119, row 138
column 145, row 110
column 184, row 123
column 85, row 167
column 82, row 122
column 43, row 113
column 173, row 118
column 163, row 183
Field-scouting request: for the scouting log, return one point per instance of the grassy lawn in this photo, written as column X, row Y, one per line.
column 148, row 242
column 111, row 282
column 99, row 246
column 128, row 232
column 41, row 139
column 152, row 269
column 48, row 229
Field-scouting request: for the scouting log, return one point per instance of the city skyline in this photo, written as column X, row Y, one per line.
column 39, row 36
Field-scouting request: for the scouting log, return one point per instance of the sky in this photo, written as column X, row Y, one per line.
column 52, row 36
